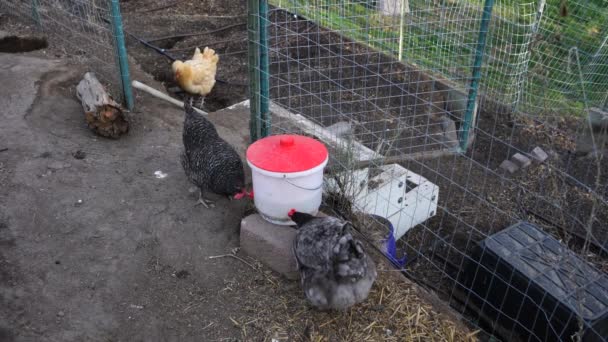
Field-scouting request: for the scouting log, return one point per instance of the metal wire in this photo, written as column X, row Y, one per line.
column 82, row 28
column 397, row 74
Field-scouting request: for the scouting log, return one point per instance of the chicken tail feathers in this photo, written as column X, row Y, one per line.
column 210, row 55
column 349, row 258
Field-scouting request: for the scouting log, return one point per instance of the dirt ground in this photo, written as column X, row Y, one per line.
column 226, row 18
column 99, row 248
column 95, row 246
column 178, row 300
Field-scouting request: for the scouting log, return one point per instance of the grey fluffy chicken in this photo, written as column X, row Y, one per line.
column 208, row 160
column 336, row 273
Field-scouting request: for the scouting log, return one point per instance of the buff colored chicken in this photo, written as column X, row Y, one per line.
column 197, row 75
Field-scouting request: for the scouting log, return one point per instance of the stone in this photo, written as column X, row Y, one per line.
column 598, row 118
column 539, row 154
column 271, row 244
column 79, row 155
column 58, row 165
column 521, row 160
column 509, row 166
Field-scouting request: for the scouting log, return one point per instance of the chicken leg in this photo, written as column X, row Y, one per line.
column 205, row 202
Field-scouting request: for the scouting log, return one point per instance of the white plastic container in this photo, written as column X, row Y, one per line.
column 287, row 173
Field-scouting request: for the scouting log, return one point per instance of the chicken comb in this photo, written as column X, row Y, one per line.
column 291, row 212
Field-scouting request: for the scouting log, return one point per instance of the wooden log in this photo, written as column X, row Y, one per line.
column 103, row 115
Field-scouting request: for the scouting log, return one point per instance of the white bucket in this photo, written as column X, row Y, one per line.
column 275, row 193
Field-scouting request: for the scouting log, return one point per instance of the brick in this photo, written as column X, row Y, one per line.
column 509, row 166
column 271, row 244
column 521, row 160
column 539, row 154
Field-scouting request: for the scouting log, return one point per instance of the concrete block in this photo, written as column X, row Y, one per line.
column 271, row 244
column 521, row 160
column 539, row 154
column 509, row 166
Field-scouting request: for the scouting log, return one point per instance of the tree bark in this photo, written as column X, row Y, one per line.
column 103, row 115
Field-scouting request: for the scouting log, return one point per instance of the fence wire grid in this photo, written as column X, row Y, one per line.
column 389, row 86
column 83, row 28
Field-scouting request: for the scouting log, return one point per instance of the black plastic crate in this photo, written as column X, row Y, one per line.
column 529, row 283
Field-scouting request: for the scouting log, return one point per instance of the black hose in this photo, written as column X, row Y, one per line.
column 165, row 53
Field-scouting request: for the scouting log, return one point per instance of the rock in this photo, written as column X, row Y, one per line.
column 182, row 274
column 79, row 155
column 60, row 314
column 539, row 154
column 159, row 174
column 598, row 118
column 509, row 166
column 270, row 243
column 58, row 165
column 521, row 160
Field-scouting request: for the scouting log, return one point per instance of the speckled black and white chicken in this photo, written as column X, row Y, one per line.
column 208, row 160
column 336, row 273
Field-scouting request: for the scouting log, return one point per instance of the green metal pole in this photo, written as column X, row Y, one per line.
column 253, row 28
column 481, row 46
column 121, row 50
column 35, row 13
column 264, row 75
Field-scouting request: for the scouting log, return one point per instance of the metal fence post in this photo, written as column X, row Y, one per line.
column 121, row 51
column 264, row 72
column 35, row 13
column 253, row 28
column 481, row 45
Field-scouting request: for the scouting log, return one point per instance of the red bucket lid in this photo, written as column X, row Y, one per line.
column 286, row 153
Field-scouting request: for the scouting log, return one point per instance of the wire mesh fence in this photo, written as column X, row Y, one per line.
column 390, row 86
column 87, row 29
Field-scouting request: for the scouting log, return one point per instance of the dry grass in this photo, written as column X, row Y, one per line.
column 396, row 310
